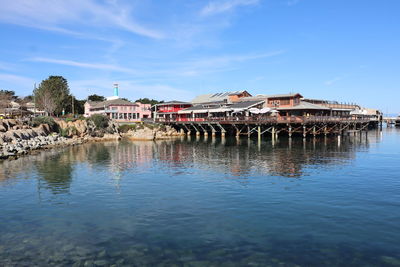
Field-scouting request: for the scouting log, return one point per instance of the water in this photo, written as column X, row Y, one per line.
column 205, row 203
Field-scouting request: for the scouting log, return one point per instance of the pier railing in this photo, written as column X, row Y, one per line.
column 278, row 119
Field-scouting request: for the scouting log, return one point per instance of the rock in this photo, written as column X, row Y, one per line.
column 100, row 263
column 88, row 263
column 390, row 260
column 77, row 264
column 102, row 254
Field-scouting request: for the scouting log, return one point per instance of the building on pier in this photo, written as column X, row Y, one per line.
column 169, row 110
column 240, row 113
column 223, row 98
column 198, row 107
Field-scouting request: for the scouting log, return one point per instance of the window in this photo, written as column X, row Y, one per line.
column 285, row 102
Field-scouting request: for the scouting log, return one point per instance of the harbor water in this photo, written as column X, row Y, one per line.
column 205, row 202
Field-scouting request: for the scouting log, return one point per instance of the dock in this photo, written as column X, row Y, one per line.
column 273, row 126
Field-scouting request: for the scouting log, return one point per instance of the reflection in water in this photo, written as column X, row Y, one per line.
column 244, row 157
column 203, row 202
column 55, row 172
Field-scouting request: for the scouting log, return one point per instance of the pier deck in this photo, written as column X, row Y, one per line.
column 313, row 125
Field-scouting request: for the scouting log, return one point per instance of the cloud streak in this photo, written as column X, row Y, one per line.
column 16, row 80
column 191, row 67
column 292, row 2
column 130, row 89
column 333, row 81
column 59, row 15
column 221, row 63
column 98, row 66
column 216, row 7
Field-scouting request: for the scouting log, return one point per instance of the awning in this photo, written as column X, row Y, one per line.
column 265, row 110
column 184, row 111
column 200, row 111
column 358, row 112
column 238, row 110
column 219, row 110
column 254, row 110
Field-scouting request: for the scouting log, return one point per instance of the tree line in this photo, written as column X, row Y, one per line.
column 54, row 97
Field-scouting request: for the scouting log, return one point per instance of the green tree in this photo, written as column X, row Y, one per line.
column 96, row 98
column 52, row 95
column 149, row 101
column 79, row 107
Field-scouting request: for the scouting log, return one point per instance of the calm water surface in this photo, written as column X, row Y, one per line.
column 205, row 203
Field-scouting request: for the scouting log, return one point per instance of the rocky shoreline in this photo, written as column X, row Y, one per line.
column 151, row 134
column 23, row 147
column 19, row 138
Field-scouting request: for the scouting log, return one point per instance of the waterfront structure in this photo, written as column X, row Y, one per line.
column 241, row 113
column 225, row 97
column 118, row 109
column 169, row 110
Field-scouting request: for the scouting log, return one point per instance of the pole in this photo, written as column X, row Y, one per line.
column 34, row 100
column 73, row 108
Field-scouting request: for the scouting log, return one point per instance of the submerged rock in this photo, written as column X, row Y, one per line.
column 391, row 260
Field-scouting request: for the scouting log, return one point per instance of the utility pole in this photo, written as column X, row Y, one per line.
column 73, row 108
column 34, row 101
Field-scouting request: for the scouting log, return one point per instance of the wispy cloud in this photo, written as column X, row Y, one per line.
column 221, row 6
column 98, row 66
column 12, row 80
column 292, row 2
column 220, row 63
column 59, row 16
column 333, row 81
column 166, row 70
column 6, row 66
column 130, row 89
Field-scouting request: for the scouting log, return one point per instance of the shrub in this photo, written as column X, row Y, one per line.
column 44, row 120
column 63, row 132
column 126, row 127
column 69, row 131
column 150, row 126
column 101, row 121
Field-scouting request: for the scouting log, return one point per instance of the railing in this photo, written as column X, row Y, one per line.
column 279, row 119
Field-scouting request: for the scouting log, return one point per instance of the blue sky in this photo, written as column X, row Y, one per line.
column 338, row 50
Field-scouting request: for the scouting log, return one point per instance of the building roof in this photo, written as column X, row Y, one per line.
column 116, row 102
column 217, row 97
column 217, row 108
column 246, row 104
column 174, row 102
column 262, row 97
column 283, row 95
column 306, row 106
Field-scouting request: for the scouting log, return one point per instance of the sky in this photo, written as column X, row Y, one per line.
column 340, row 50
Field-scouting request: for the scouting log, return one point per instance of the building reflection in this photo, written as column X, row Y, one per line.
column 55, row 169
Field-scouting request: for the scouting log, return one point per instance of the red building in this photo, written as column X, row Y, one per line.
column 169, row 110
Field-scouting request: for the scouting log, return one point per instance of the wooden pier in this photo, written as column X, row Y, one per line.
column 273, row 126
